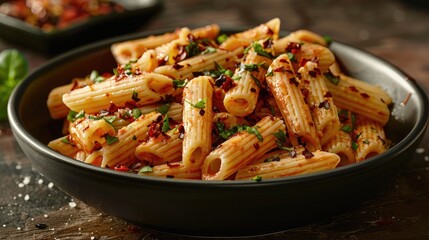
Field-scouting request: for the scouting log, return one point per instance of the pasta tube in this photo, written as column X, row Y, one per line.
column 241, row 99
column 197, row 121
column 370, row 138
column 187, row 68
column 359, row 99
column 341, row 145
column 173, row 170
column 127, row 140
column 64, row 145
column 90, row 134
column 123, row 52
column 245, row 38
column 320, row 100
column 286, row 90
column 162, row 149
column 142, row 89
column 241, row 149
column 288, row 166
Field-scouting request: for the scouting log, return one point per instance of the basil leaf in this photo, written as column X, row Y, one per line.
column 13, row 68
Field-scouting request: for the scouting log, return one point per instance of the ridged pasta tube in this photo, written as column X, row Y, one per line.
column 288, row 166
column 143, row 89
column 128, row 138
column 162, row 149
column 241, row 99
column 320, row 100
column 241, row 149
column 197, row 121
column 287, row 91
column 173, row 170
column 88, row 133
column 341, row 145
column 371, row 139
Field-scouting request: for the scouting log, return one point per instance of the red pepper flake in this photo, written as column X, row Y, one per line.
column 75, row 85
column 353, row 89
column 292, row 80
column 268, row 43
column 381, row 139
column 307, row 154
column 303, row 62
column 163, row 61
column 269, row 31
column 177, row 66
column 289, row 71
column 169, row 176
column 328, row 94
column 305, row 92
column 202, row 112
column 293, row 46
column 121, row 168
column 312, row 73
column 256, row 146
column 364, row 95
column 253, row 90
column 279, row 69
column 112, row 108
column 131, row 104
column 173, row 165
column 283, row 60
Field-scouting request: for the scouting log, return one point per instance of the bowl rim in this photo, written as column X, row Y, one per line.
column 21, row 132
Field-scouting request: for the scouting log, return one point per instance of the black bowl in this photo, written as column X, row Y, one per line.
column 136, row 13
column 218, row 207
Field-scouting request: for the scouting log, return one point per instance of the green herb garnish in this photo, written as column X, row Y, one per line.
column 192, row 49
column 146, row 169
column 111, row 139
column 96, row 77
column 135, row 96
column 333, row 79
column 347, row 128
column 291, row 57
column 222, row 38
column 257, row 178
column 201, row 104
column 261, row 51
column 13, row 68
column 136, row 113
column 179, row 83
column 163, row 109
column 109, row 119
column 209, row 50
column 328, row 40
column 165, row 124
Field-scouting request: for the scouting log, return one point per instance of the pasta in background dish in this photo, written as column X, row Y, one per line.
column 198, row 104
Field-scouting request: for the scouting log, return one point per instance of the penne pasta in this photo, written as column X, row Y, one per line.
column 288, row 166
column 287, row 93
column 173, row 170
column 197, row 121
column 320, row 100
column 370, row 138
column 241, row 149
column 241, row 99
column 341, row 145
column 142, row 89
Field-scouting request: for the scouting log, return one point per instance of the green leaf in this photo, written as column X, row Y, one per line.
column 165, row 124
column 111, row 139
column 146, row 169
column 192, row 49
column 257, row 178
column 291, row 57
column 256, row 80
column 136, row 113
column 261, row 51
column 253, row 130
column 347, row 128
column 109, row 119
column 209, row 50
column 333, row 79
column 179, row 83
column 328, row 40
column 222, row 38
column 135, row 96
column 163, row 109
column 95, row 77
column 13, row 68
column 200, row 104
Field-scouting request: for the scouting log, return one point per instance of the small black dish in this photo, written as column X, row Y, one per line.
column 136, row 13
column 215, row 208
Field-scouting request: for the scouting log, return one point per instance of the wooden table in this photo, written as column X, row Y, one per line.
column 31, row 207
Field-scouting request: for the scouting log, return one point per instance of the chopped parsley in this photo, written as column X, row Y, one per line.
column 209, row 50
column 226, row 133
column 274, row 158
column 179, row 83
column 66, row 140
column 163, row 109
column 251, row 67
column 257, row 178
column 261, row 51
column 165, row 124
column 256, row 80
column 333, row 79
column 109, row 119
column 146, row 169
column 136, row 113
column 192, row 49
column 291, row 57
column 328, row 40
column 135, row 96
column 270, row 73
column 72, row 115
column 96, row 77
column 347, row 128
column 201, row 104
column 222, row 38
column 111, row 139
